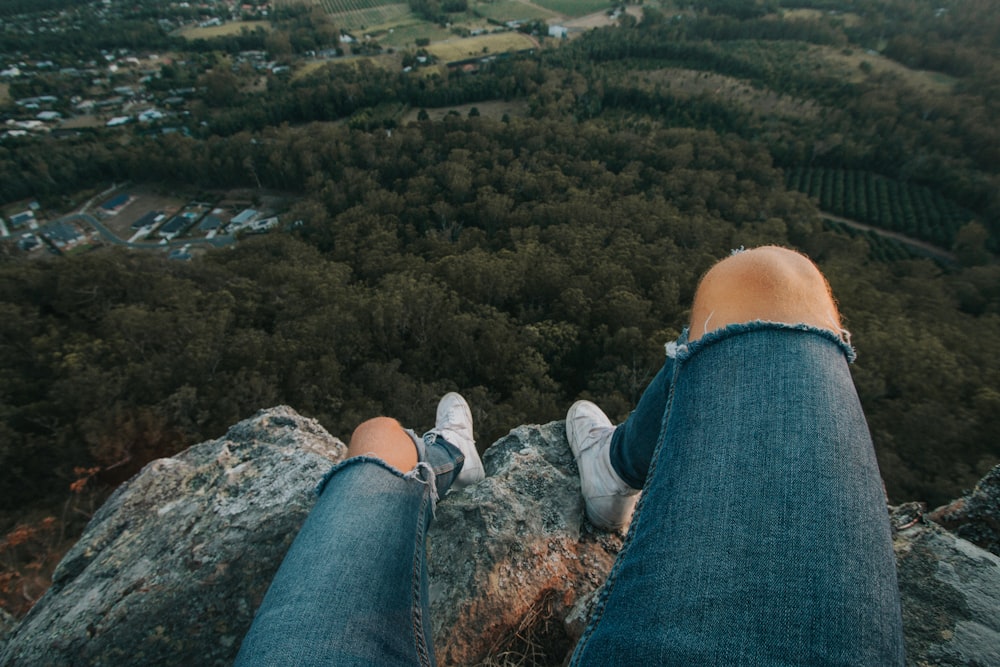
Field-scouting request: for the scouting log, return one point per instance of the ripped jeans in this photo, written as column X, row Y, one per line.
column 761, row 536
column 352, row 589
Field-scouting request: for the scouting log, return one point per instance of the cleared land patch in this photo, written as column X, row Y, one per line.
column 232, row 28
column 689, row 82
column 851, row 64
column 82, row 122
column 470, row 47
column 600, row 19
column 850, row 19
column 307, row 68
column 494, row 110
column 4, row 92
column 575, row 8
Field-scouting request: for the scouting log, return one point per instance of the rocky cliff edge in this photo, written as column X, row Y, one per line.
column 172, row 567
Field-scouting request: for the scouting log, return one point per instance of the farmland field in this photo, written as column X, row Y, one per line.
column 233, row 28
column 404, row 33
column 898, row 206
column 512, row 10
column 575, row 7
column 360, row 14
column 459, row 49
column 363, row 18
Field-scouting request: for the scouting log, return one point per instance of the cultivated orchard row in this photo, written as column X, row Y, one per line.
column 903, row 207
column 342, row 6
column 360, row 12
column 881, row 248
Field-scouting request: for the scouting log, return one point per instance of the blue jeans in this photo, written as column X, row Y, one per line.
column 761, row 536
column 352, row 589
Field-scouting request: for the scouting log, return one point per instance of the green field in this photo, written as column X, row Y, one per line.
column 404, row 34
column 575, row 8
column 460, row 49
column 512, row 10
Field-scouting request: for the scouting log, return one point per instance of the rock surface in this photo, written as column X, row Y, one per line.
column 976, row 517
column 172, row 567
column 510, row 557
column 951, row 594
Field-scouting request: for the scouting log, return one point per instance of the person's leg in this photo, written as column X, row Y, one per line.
column 762, row 535
column 352, row 589
column 634, row 440
column 613, row 460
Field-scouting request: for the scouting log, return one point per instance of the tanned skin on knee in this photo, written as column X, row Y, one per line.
column 384, row 438
column 772, row 284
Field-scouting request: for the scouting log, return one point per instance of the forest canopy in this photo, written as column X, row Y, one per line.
column 522, row 263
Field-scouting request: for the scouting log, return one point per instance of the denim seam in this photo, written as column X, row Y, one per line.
column 416, row 608
column 686, row 350
column 609, row 584
column 683, row 352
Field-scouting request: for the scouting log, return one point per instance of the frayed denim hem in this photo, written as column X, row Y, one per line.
column 682, row 350
column 422, row 470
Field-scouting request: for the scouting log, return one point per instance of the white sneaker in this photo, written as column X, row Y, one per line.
column 454, row 424
column 608, row 499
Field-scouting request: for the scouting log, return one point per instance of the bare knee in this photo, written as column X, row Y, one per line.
column 384, row 438
column 772, row 284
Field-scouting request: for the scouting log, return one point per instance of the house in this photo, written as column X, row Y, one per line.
column 63, row 236
column 244, row 217
column 209, row 223
column 150, row 115
column 115, row 204
column 22, row 219
column 29, row 242
column 118, row 121
column 174, row 227
column 557, row 31
column 148, row 220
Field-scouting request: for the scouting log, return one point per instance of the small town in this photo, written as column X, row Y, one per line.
column 139, row 219
column 190, row 57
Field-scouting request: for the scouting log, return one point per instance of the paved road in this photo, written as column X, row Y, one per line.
column 112, row 238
